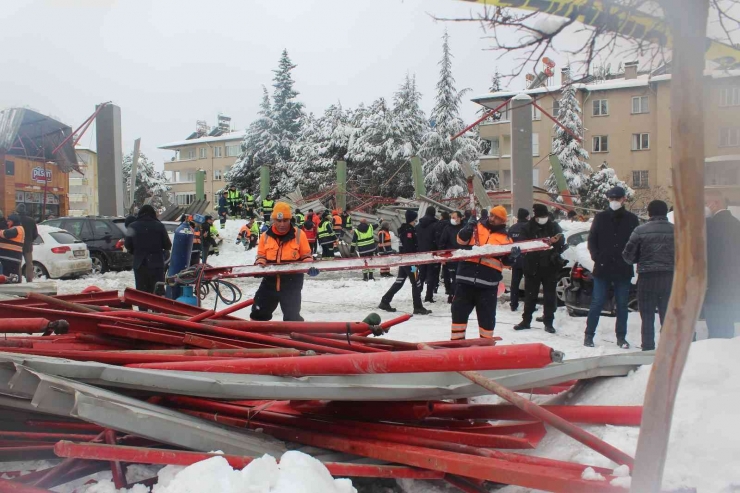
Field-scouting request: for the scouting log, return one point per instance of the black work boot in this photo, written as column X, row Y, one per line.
column 370, row 276
column 450, row 297
column 364, row 276
column 588, row 341
column 386, row 306
column 623, row 343
column 421, row 311
column 522, row 326
column 549, row 329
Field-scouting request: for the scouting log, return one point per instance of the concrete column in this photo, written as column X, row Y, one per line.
column 417, row 174
column 341, row 185
column 200, row 181
column 110, row 157
column 264, row 181
column 521, row 153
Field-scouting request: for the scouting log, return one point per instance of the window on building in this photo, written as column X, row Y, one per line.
column 185, row 198
column 640, row 179
column 218, row 151
column 601, row 107
column 640, row 105
column 202, row 152
column 216, row 174
column 187, row 154
column 535, row 144
column 729, row 137
column 600, row 143
column 495, row 147
column 506, row 147
column 536, row 113
column 536, row 177
column 729, row 96
column 233, row 151
column 640, row 142
column 189, row 176
column 555, row 108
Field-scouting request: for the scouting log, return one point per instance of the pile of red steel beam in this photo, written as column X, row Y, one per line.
column 463, row 444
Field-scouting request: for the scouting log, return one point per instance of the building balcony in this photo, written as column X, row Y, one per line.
column 78, row 182
column 77, row 197
column 186, row 165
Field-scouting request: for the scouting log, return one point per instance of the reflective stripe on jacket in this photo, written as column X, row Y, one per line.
column 384, row 241
column 291, row 247
column 300, row 219
column 364, row 242
column 484, row 272
column 338, row 222
column 267, row 206
column 234, row 197
column 11, row 243
column 326, row 233
column 249, row 200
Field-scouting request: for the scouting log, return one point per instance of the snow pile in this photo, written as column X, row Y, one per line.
column 296, row 473
column 590, row 475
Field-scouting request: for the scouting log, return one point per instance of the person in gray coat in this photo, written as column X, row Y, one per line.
column 651, row 247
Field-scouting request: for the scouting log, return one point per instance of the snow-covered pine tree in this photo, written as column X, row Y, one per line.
column 573, row 157
column 149, row 182
column 441, row 156
column 594, row 188
column 408, row 126
column 372, row 148
column 260, row 146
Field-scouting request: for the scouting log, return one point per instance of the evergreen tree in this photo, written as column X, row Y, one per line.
column 372, row 148
column 150, row 184
column 573, row 157
column 594, row 188
column 287, row 112
column 261, row 146
column 441, row 155
column 407, row 128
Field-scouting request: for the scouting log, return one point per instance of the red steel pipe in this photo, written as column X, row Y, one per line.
column 202, row 316
column 79, row 322
column 375, row 341
column 15, row 343
column 23, row 325
column 518, row 356
column 215, row 342
column 381, row 431
column 116, row 468
column 63, row 425
column 373, row 411
column 498, row 470
column 232, row 308
column 170, row 339
column 608, row 415
column 30, row 452
column 118, row 357
column 185, row 458
column 279, row 327
column 358, row 348
column 163, row 305
column 8, row 486
column 58, row 304
column 231, row 353
column 62, row 468
column 100, row 339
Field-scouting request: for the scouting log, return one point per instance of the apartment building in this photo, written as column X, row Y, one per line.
column 627, row 125
column 83, row 187
column 215, row 153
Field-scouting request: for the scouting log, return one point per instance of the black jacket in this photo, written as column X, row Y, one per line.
column 439, row 227
column 448, row 238
column 147, row 239
column 651, row 246
column 723, row 268
column 425, row 231
column 609, row 234
column 535, row 262
column 515, row 233
column 32, row 232
column 407, row 239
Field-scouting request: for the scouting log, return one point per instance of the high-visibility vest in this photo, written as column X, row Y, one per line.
column 234, row 197
column 384, row 240
column 365, row 241
column 273, row 249
column 483, row 236
column 267, row 206
column 326, row 233
column 12, row 248
column 338, row 222
column 196, row 236
column 300, row 219
column 249, row 200
column 348, row 222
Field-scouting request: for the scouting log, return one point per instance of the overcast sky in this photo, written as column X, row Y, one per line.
column 168, row 63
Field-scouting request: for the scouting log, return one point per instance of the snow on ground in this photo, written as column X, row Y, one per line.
column 704, row 436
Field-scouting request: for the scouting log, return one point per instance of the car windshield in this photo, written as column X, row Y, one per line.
column 64, row 238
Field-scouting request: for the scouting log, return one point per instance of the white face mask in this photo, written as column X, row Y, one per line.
column 615, row 205
column 454, row 222
column 707, row 211
column 542, row 220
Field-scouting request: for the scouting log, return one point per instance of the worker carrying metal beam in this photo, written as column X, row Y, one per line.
column 283, row 243
column 477, row 280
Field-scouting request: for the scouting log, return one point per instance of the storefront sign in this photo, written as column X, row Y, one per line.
column 39, row 176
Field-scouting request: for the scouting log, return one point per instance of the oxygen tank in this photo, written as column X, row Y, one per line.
column 182, row 247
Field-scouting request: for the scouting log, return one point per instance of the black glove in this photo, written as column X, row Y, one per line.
column 352, row 251
column 515, row 253
column 313, row 272
column 471, row 224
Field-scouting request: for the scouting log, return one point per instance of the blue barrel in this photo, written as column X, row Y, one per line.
column 187, row 296
column 182, row 247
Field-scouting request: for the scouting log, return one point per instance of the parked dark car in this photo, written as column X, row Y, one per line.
column 103, row 236
column 578, row 294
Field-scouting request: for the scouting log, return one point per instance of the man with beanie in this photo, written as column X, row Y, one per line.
column 283, row 243
column 448, row 241
column 651, row 248
column 409, row 244
column 31, row 233
column 147, row 239
column 363, row 243
column 425, row 232
column 610, row 232
column 477, row 279
column 541, row 268
column 517, row 269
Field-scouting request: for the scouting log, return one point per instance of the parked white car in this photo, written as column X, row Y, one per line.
column 58, row 253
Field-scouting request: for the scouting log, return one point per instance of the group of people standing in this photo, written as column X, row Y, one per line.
column 17, row 233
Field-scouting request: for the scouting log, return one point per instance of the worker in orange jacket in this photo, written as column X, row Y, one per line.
column 338, row 222
column 11, row 247
column 476, row 284
column 281, row 244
